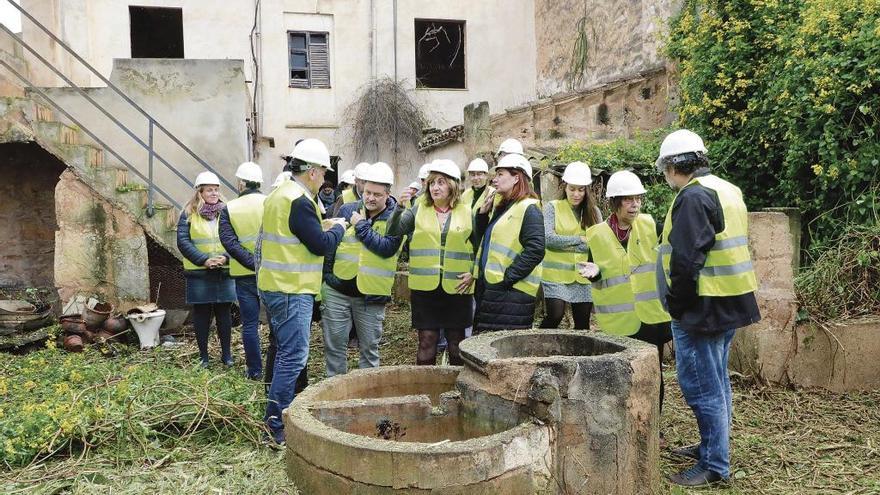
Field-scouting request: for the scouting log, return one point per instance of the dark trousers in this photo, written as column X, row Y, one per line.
column 202, row 314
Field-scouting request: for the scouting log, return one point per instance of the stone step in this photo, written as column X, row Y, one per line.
column 81, row 155
column 57, row 132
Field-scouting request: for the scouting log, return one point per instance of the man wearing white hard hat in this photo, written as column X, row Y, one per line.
column 509, row 146
column 293, row 246
column 359, row 276
column 708, row 285
column 478, row 175
column 209, row 289
column 353, row 193
column 240, row 225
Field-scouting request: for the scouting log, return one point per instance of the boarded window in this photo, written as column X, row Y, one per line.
column 156, row 32
column 440, row 51
column 309, row 59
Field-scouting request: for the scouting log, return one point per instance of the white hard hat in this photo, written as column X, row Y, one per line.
column 250, row 172
column 679, row 142
column 347, row 177
column 515, row 161
column 415, row 185
column 207, row 178
column 283, row 176
column 445, row 167
column 577, row 174
column 478, row 165
column 624, row 183
column 423, row 171
column 312, row 151
column 510, row 145
column 379, row 172
column 360, row 169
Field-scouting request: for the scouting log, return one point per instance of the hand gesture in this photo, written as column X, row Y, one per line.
column 356, row 217
column 405, row 196
column 588, row 269
column 466, row 280
column 489, row 203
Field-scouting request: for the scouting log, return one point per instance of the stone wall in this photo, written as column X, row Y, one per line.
column 27, row 214
column 623, row 39
column 618, row 109
column 99, row 249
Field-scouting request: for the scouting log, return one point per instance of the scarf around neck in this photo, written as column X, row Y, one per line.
column 211, row 211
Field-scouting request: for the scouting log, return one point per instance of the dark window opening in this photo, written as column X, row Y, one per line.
column 156, row 32
column 440, row 51
column 602, row 115
column 309, row 59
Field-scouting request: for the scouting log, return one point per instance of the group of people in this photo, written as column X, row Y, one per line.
column 478, row 256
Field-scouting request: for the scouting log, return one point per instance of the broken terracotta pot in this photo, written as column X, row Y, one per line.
column 96, row 315
column 73, row 343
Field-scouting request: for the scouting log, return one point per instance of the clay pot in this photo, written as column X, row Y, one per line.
column 115, row 325
column 95, row 317
column 73, row 324
column 73, row 343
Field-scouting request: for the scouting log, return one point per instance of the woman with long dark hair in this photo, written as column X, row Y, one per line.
column 511, row 227
column 209, row 287
column 565, row 226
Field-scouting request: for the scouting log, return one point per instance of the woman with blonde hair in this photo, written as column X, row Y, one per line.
column 565, row 226
column 209, row 287
column 441, row 257
column 511, row 249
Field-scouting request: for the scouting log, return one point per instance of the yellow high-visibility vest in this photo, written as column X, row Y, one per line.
column 626, row 295
column 206, row 237
column 246, row 216
column 561, row 266
column 429, row 261
column 349, row 196
column 375, row 274
column 467, row 197
column 728, row 270
column 286, row 264
column 504, row 247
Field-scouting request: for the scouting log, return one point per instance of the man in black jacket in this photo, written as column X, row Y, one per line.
column 708, row 284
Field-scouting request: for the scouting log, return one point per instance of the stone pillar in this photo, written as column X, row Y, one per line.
column 794, row 226
column 477, row 129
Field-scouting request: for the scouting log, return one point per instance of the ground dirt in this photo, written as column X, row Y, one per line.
column 784, row 442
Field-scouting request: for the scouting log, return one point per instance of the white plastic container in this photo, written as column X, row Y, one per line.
column 147, row 327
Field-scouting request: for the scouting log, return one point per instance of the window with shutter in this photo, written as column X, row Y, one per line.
column 309, row 59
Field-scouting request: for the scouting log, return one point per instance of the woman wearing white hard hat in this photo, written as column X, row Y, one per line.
column 565, row 226
column 441, row 258
column 209, row 288
column 511, row 249
column 623, row 269
column 478, row 175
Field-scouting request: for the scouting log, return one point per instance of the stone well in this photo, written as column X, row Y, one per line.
column 532, row 411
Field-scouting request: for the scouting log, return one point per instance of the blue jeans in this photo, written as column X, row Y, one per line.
column 701, row 366
column 249, row 305
column 291, row 316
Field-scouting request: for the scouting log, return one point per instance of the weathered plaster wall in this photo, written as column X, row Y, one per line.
column 27, row 214
column 203, row 102
column 624, row 39
column 98, row 248
column 500, row 48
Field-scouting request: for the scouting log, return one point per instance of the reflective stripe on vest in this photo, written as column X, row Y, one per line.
column 612, row 294
column 728, row 269
column 375, row 274
column 246, row 216
column 504, row 246
column 642, row 252
column 561, row 266
column 428, row 259
column 286, row 265
column 205, row 236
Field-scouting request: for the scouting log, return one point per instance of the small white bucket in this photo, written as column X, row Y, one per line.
column 147, row 327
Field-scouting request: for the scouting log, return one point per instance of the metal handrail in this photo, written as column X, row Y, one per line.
column 151, row 120
column 91, row 134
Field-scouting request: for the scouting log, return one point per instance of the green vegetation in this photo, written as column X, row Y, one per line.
column 787, row 96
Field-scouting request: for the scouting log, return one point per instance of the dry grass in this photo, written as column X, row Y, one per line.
column 784, row 442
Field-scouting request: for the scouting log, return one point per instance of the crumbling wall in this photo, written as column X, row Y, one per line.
column 99, row 249
column 27, row 214
column 624, row 39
